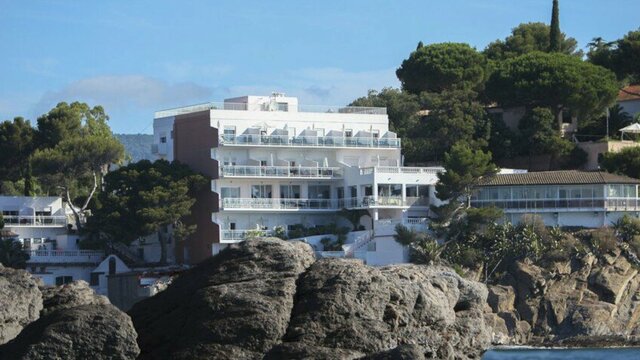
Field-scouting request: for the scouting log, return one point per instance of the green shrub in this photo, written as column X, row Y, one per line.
column 280, row 232
column 603, row 241
column 627, row 228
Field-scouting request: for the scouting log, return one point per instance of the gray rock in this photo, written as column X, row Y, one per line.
column 234, row 305
column 70, row 295
column 20, row 302
column 346, row 305
column 402, row 352
column 81, row 332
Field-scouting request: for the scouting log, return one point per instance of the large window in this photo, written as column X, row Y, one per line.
column 230, row 192
column 319, row 192
column 387, row 190
column 261, row 191
column 61, row 280
column 290, row 191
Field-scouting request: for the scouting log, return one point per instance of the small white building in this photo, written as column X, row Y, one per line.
column 589, row 199
column 46, row 229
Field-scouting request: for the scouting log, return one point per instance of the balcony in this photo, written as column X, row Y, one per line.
column 555, row 205
column 400, row 170
column 232, row 236
column 292, row 172
column 309, row 141
column 262, row 204
column 65, row 256
column 387, row 227
column 35, row 221
column 383, row 201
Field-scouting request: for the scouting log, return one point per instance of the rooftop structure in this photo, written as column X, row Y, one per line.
column 278, row 166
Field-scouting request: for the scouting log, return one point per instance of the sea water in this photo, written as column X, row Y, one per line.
column 562, row 354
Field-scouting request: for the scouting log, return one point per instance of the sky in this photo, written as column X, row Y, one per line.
column 137, row 57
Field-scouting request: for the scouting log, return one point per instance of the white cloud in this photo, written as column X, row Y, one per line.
column 122, row 92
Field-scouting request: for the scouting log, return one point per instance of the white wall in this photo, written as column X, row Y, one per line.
column 387, row 251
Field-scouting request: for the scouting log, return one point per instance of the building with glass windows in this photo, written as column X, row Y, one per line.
column 277, row 166
column 564, row 198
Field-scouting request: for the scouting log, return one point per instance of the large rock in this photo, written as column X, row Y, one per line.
column 347, row 305
column 235, row 305
column 81, row 332
column 70, row 295
column 20, row 302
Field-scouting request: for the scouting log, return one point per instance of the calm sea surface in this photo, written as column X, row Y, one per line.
column 553, row 354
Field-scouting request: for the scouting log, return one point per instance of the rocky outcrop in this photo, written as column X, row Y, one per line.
column 233, row 306
column 587, row 297
column 20, row 302
column 73, row 323
column 267, row 298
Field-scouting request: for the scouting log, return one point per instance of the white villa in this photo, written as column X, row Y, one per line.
column 46, row 229
column 278, row 166
column 563, row 198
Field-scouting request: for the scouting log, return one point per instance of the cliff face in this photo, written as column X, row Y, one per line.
column 570, row 301
column 269, row 299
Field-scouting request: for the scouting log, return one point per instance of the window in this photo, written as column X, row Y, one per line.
column 232, row 226
column 283, row 106
column 319, row 191
column 290, row 191
column 348, row 133
column 163, row 140
column 390, row 190
column 353, row 191
column 263, row 162
column 375, row 133
column 230, row 192
column 94, row 280
column 229, row 131
column 61, row 280
column 340, row 192
column 261, row 191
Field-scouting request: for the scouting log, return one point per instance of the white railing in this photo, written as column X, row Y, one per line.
column 239, row 235
column 588, row 204
column 387, row 227
column 281, row 171
column 41, row 221
column 65, row 256
column 216, row 105
column 359, row 242
column 382, row 201
column 310, row 141
column 406, row 170
column 279, row 204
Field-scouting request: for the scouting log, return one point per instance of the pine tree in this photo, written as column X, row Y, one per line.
column 554, row 34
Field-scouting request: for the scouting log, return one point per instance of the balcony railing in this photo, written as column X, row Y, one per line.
column 281, row 171
column 386, row 227
column 35, row 221
column 65, row 256
column 610, row 204
column 239, row 235
column 279, row 204
column 327, row 109
column 310, row 141
column 400, row 170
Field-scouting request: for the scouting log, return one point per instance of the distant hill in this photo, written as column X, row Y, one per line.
column 138, row 146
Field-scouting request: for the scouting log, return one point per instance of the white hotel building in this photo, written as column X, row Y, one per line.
column 275, row 164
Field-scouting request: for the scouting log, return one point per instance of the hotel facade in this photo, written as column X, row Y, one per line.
column 277, row 166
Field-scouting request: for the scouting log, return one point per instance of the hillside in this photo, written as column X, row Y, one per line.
column 138, row 146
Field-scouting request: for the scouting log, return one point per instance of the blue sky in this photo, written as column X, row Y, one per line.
column 136, row 57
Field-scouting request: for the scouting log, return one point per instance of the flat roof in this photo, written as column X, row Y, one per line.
column 561, row 177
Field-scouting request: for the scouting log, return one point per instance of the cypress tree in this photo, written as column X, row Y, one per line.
column 554, row 34
column 28, row 181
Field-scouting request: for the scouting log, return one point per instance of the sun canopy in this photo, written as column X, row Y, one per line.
column 632, row 129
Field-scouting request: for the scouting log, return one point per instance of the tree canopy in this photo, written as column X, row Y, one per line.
column 555, row 81
column 16, row 145
column 402, row 108
column 527, row 38
column 625, row 162
column 440, row 67
column 621, row 56
column 144, row 198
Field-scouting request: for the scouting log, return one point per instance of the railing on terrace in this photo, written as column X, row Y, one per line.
column 371, row 201
column 331, row 254
column 359, row 243
column 239, row 235
column 26, row 220
column 623, row 204
column 281, row 171
column 406, row 170
column 310, row 141
column 279, row 204
column 65, row 256
column 217, row 105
